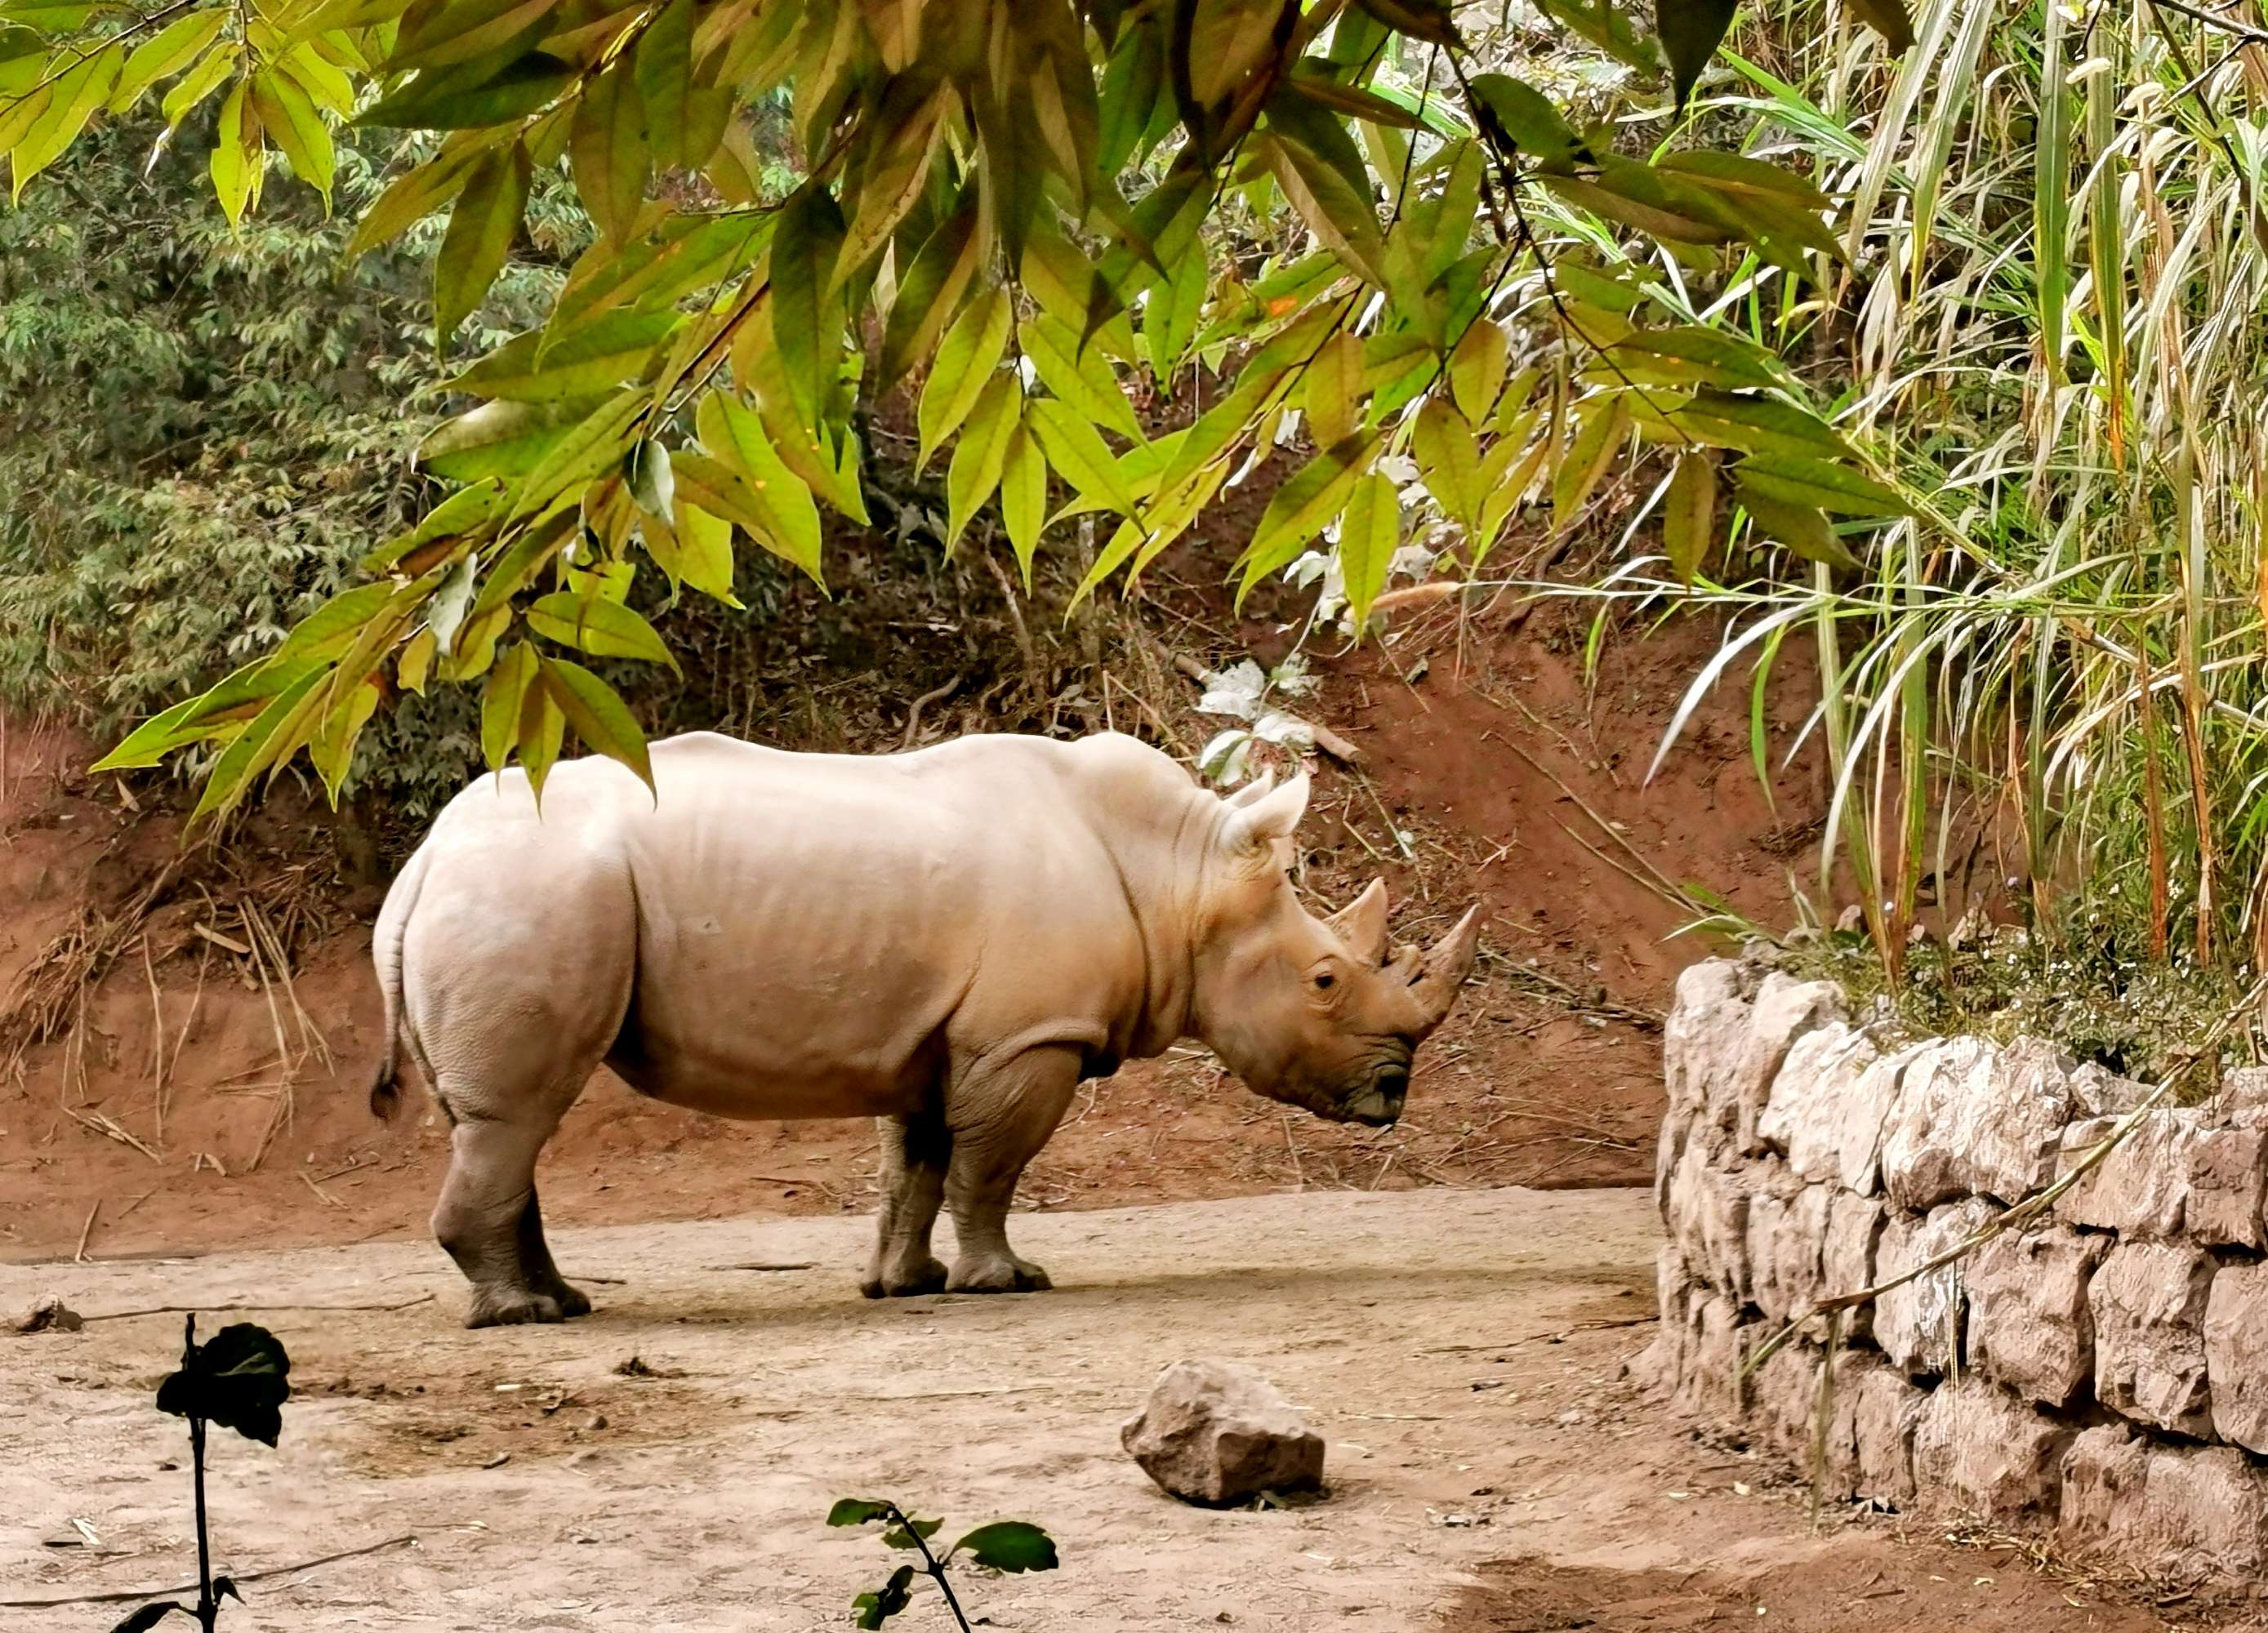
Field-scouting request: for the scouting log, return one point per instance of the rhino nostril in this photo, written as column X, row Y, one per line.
column 1394, row 1083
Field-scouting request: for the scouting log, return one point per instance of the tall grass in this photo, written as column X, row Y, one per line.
column 2052, row 326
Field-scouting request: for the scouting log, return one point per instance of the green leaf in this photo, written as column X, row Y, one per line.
column 1345, row 221
column 983, row 450
column 1449, row 458
column 1009, row 1545
column 856, row 1510
column 1302, row 506
column 786, row 521
column 1080, row 378
column 664, row 74
column 1080, row 457
column 1688, row 519
column 333, row 750
column 1433, row 21
column 1369, row 534
column 1334, row 380
column 591, row 445
column 592, row 357
column 965, row 360
column 1600, row 433
column 239, row 1378
column 695, row 548
column 542, row 727
column 150, row 1615
column 441, row 35
column 610, row 154
column 436, row 99
column 931, row 289
column 1690, row 355
column 1024, row 497
column 480, row 230
column 1171, row 315
column 1888, row 18
column 72, row 100
column 602, row 628
column 1836, row 489
column 234, row 161
column 332, row 627
column 1476, row 369
column 806, row 320
column 288, row 116
column 890, row 182
column 499, row 439
column 600, row 717
column 877, row 1606
column 516, row 669
column 913, row 1533
column 166, row 53
column 1802, row 528
column 1531, row 119
column 213, row 711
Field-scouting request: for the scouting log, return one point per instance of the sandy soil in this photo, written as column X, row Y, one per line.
column 1491, row 1465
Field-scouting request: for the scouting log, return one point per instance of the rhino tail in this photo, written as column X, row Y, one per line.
column 386, row 954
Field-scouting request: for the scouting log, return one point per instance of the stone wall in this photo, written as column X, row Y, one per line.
column 2102, row 1374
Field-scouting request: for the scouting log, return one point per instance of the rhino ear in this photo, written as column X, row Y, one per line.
column 1274, row 815
column 1257, row 789
column 1362, row 924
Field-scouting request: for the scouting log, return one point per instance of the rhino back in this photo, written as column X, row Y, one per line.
column 817, row 934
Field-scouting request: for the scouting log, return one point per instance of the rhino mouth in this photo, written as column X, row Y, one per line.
column 1380, row 1106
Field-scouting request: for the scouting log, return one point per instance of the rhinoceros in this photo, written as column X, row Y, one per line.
column 948, row 941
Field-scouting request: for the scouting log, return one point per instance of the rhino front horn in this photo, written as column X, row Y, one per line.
column 1447, row 967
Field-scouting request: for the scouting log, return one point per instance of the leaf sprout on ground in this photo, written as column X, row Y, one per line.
column 1009, row 1545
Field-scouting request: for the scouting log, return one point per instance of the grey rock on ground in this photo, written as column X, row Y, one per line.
column 1216, row 1432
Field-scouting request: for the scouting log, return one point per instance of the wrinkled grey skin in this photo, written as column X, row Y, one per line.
column 948, row 941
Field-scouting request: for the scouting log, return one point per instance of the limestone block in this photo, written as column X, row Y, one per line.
column 1848, row 1254
column 1718, row 1341
column 2098, row 1091
column 1871, row 1102
column 2138, row 1190
column 2030, row 1324
column 1781, row 1395
column 1669, row 1149
column 2148, row 1304
column 1706, row 1035
column 1979, row 1451
column 1918, row 1324
column 1787, row 1227
column 1709, row 1220
column 2224, row 1169
column 1785, row 1010
column 2204, row 1513
column 1807, row 1114
column 2236, row 1353
column 2008, row 1136
column 1886, row 1410
column 1925, row 1147
column 2103, row 1474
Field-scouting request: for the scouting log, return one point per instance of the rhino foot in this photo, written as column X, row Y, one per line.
column 518, row 1308
column 906, row 1281
column 1010, row 1274
column 572, row 1301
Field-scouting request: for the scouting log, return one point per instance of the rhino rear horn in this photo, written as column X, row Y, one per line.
column 1362, row 924
column 1447, row 966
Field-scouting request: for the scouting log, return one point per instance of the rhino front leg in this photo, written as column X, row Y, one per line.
column 999, row 1122
column 914, row 1151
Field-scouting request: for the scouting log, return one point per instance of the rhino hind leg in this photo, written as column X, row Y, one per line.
column 916, row 1151
column 489, row 1222
column 1002, row 1120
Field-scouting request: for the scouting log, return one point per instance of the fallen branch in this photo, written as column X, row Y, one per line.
column 799, row 1264
column 200, row 1309
column 1514, row 1343
column 118, row 1596
column 1330, row 741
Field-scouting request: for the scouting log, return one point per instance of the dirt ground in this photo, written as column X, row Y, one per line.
column 669, row 1462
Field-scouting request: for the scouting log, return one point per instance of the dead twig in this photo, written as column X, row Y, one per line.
column 85, row 1230
column 1330, row 741
column 202, row 1309
column 935, row 694
column 119, row 1596
column 102, row 1124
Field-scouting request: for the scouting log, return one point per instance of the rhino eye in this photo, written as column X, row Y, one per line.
column 1324, row 982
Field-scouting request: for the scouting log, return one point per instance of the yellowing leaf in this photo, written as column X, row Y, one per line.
column 167, row 52
column 1302, row 506
column 288, row 116
column 1334, row 378
column 1802, row 528
column 965, row 359
column 981, row 453
column 1369, row 534
column 1449, row 459
column 600, row 717
column 609, row 146
column 1604, row 427
column 480, row 230
column 72, row 100
column 1023, row 497
column 1689, row 518
column 236, row 152
column 1081, row 377
column 599, row 625
column 1080, row 457
column 1476, row 369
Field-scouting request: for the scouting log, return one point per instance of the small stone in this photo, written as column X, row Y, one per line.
column 2148, row 1303
column 1989, row 1455
column 2029, row 1323
column 596, row 1421
column 49, row 1313
column 1918, row 1324
column 2103, row 1474
column 1216, row 1433
column 2235, row 1339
